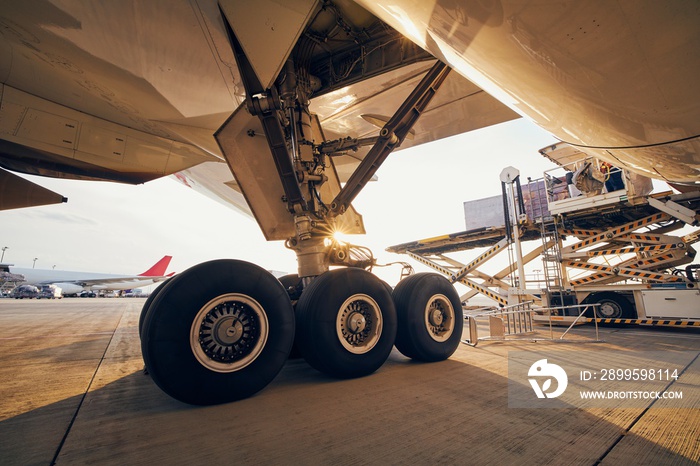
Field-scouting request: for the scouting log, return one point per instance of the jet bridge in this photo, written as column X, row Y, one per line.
column 590, row 242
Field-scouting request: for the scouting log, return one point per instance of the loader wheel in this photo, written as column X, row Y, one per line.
column 611, row 305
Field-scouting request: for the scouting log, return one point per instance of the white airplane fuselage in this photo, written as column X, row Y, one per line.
column 618, row 79
column 68, row 281
column 74, row 282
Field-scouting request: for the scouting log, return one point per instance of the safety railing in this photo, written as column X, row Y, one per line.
column 513, row 320
column 519, row 320
column 553, row 315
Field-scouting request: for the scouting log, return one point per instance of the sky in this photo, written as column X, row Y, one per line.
column 114, row 228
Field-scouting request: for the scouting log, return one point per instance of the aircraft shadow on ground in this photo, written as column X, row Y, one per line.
column 407, row 412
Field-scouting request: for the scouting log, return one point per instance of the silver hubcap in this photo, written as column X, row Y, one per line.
column 359, row 323
column 609, row 310
column 439, row 318
column 229, row 333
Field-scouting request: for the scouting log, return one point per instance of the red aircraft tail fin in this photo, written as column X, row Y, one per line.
column 158, row 270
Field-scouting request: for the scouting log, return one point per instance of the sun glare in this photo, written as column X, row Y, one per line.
column 340, row 237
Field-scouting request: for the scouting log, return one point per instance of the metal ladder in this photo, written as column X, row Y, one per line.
column 551, row 255
column 549, row 234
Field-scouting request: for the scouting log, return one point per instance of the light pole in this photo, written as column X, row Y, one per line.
column 4, row 248
column 34, row 262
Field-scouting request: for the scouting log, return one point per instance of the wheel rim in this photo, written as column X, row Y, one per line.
column 609, row 310
column 229, row 333
column 439, row 318
column 359, row 324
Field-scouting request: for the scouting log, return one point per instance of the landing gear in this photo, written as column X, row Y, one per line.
column 218, row 332
column 222, row 330
column 292, row 283
column 430, row 317
column 346, row 323
column 294, row 286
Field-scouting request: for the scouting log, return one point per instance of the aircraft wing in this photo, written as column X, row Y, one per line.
column 16, row 192
column 129, row 100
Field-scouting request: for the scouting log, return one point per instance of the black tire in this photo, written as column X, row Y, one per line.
column 612, row 305
column 292, row 283
column 149, row 301
column 346, row 323
column 430, row 317
column 219, row 332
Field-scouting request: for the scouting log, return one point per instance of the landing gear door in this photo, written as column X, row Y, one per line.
column 247, row 153
column 267, row 30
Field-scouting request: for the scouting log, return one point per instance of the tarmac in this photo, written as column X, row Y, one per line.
column 73, row 391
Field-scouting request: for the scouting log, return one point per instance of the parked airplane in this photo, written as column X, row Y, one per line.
column 72, row 283
column 287, row 109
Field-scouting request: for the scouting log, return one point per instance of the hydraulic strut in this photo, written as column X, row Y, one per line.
column 391, row 135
